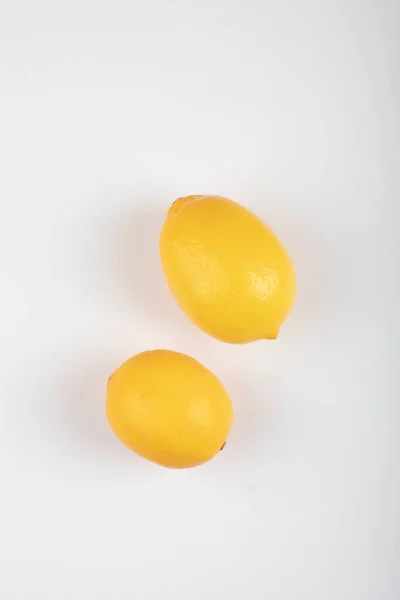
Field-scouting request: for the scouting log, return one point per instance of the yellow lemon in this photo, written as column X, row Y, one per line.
column 227, row 270
column 168, row 408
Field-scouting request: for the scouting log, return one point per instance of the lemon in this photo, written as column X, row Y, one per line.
column 168, row 408
column 226, row 269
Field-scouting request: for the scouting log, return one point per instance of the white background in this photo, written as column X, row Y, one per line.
column 108, row 112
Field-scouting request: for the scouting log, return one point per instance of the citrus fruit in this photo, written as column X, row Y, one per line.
column 168, row 408
column 227, row 270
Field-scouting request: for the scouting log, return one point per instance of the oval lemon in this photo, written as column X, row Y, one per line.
column 168, row 408
column 226, row 269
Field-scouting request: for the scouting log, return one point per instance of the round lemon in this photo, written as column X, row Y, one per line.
column 168, row 408
column 226, row 269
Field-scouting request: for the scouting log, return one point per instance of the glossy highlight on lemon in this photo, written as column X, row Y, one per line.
column 168, row 408
column 227, row 270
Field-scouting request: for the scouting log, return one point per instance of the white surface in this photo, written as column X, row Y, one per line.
column 108, row 112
